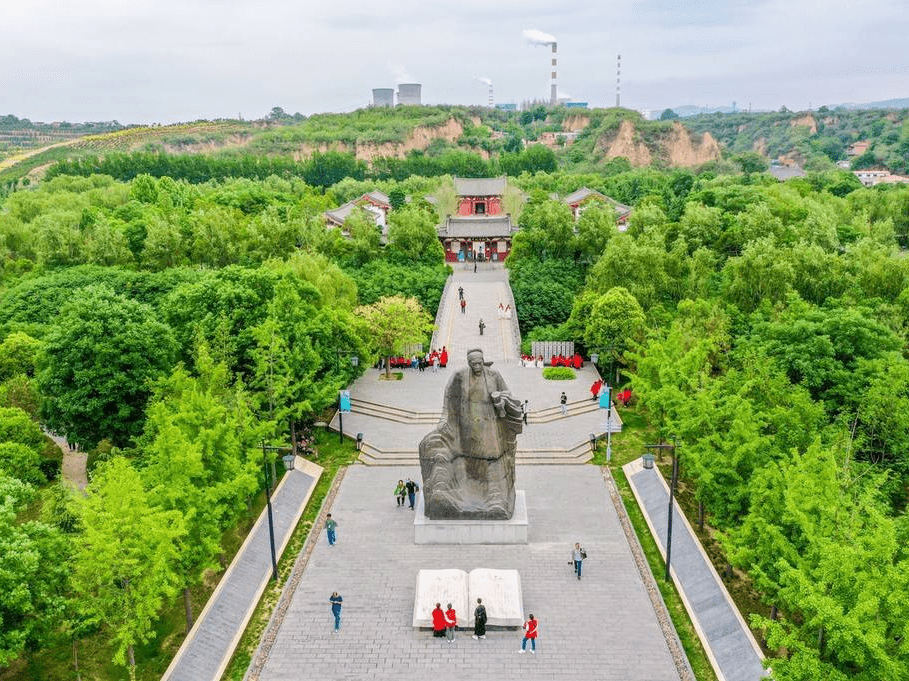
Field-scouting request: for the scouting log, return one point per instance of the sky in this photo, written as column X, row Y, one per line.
column 181, row 60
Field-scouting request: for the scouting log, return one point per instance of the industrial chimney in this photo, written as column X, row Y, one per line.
column 618, row 80
column 554, row 92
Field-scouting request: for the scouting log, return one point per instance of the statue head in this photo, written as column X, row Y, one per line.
column 475, row 361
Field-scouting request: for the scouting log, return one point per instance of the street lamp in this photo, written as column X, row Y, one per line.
column 354, row 361
column 675, row 478
column 288, row 466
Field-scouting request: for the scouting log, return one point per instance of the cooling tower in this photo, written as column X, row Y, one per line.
column 409, row 93
column 383, row 96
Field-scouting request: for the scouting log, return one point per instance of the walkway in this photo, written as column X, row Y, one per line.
column 394, row 417
column 602, row 627
column 210, row 644
column 731, row 647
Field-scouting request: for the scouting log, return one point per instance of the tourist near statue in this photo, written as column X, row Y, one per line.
column 467, row 462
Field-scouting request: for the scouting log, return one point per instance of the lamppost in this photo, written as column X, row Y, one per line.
column 608, row 424
column 288, row 460
column 606, row 403
column 354, row 361
column 675, row 477
column 672, row 486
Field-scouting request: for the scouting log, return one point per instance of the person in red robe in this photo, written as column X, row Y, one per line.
column 595, row 388
column 443, row 358
column 439, row 622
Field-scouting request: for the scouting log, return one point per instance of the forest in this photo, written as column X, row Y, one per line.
column 169, row 320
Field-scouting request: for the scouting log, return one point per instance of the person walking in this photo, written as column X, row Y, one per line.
column 463, row 306
column 400, row 493
column 563, row 404
column 479, row 620
column 330, row 528
column 412, row 489
column 525, row 409
column 577, row 556
column 451, row 621
column 439, row 623
column 460, row 293
column 336, row 601
column 482, row 326
column 531, row 627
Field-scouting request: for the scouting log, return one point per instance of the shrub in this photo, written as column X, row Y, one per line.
column 558, row 374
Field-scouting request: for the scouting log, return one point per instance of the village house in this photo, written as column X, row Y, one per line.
column 375, row 203
column 583, row 198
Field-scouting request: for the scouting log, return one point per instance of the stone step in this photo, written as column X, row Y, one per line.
column 581, row 453
column 391, row 413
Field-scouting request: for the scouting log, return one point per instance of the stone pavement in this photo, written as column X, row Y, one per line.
column 421, row 392
column 602, row 627
column 210, row 643
column 731, row 647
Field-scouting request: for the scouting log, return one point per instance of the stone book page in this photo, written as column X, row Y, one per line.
column 499, row 589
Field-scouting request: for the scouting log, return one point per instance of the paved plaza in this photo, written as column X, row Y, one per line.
column 601, row 627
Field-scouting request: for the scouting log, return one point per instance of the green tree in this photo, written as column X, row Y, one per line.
column 97, row 363
column 33, row 575
column 201, row 462
column 124, row 560
column 18, row 353
column 412, row 236
column 615, row 321
column 394, row 322
column 397, row 197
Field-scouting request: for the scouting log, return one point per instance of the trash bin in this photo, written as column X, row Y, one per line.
column 648, row 460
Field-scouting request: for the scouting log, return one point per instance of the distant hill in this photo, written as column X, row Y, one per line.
column 814, row 139
column 688, row 110
column 886, row 104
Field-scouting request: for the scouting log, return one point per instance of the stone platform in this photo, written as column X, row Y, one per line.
column 514, row 531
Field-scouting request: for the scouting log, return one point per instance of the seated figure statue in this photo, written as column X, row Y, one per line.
column 467, row 462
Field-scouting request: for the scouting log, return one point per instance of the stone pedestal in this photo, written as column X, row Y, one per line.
column 500, row 590
column 512, row 531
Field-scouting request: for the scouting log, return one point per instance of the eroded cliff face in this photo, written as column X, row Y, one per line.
column 626, row 143
column 685, row 151
column 807, row 120
column 420, row 138
column 679, row 148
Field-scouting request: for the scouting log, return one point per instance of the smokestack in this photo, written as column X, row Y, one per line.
column 554, row 93
column 618, row 81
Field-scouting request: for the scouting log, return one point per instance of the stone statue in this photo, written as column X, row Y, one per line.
column 468, row 460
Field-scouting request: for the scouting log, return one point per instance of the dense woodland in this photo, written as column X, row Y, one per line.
column 170, row 321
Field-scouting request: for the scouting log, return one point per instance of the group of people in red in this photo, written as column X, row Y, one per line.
column 623, row 396
column 562, row 361
column 433, row 359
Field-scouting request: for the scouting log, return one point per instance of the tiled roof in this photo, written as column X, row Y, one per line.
column 584, row 193
column 472, row 227
column 483, row 186
column 378, row 197
column 341, row 213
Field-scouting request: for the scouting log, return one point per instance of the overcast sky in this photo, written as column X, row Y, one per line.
column 179, row 60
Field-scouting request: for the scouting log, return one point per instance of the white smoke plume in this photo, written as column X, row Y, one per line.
column 483, row 80
column 400, row 73
column 536, row 37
